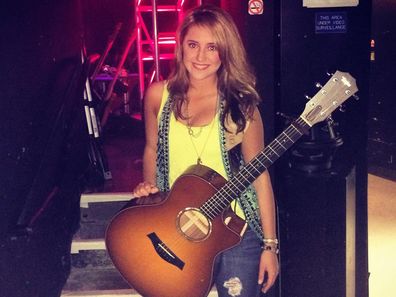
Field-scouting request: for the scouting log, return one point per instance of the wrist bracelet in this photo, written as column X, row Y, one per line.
column 270, row 240
column 270, row 248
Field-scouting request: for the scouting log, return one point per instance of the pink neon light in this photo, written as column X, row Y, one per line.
column 167, row 41
column 152, row 77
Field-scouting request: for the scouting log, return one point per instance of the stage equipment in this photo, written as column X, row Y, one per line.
column 99, row 169
column 315, row 151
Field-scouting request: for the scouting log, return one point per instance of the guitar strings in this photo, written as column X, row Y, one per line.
column 257, row 162
column 216, row 204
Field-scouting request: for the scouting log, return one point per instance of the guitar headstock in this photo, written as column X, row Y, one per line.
column 337, row 90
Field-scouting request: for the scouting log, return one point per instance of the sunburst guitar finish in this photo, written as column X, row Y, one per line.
column 168, row 249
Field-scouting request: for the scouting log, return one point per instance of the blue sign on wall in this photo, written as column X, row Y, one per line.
column 331, row 22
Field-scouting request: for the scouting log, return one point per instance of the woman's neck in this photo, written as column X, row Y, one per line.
column 203, row 86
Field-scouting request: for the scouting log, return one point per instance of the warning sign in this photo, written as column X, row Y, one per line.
column 256, row 7
column 331, row 22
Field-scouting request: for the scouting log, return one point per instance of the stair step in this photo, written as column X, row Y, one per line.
column 87, row 198
column 101, row 293
column 96, row 211
column 79, row 244
column 93, row 274
column 114, row 293
column 95, row 218
column 93, row 270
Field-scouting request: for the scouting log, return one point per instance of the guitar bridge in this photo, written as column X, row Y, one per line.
column 164, row 252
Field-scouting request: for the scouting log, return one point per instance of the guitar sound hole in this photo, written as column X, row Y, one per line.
column 193, row 224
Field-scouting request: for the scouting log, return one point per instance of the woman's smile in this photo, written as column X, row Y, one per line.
column 200, row 66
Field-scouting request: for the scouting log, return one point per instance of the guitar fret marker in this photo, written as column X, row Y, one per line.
column 260, row 163
column 280, row 145
column 249, row 172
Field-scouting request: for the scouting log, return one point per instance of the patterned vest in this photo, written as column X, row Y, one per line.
column 232, row 158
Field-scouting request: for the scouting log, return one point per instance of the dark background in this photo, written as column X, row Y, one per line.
column 43, row 136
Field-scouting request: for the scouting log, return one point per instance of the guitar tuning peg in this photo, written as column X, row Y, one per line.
column 308, row 97
column 342, row 108
column 330, row 120
column 356, row 97
column 318, row 85
column 329, row 73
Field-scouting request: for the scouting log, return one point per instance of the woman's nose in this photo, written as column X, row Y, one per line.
column 200, row 54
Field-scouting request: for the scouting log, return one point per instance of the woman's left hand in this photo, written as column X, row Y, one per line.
column 268, row 271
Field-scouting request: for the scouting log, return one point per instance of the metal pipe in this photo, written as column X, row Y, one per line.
column 110, row 43
column 132, row 38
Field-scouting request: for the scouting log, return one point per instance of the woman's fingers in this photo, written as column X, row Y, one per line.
column 144, row 189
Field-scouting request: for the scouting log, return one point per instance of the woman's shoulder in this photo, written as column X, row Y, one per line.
column 155, row 92
column 156, row 89
column 154, row 95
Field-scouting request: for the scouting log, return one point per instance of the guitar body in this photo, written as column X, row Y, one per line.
column 168, row 249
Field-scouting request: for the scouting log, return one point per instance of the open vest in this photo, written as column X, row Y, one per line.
column 232, row 158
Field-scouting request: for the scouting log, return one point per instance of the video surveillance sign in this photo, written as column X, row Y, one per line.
column 331, row 22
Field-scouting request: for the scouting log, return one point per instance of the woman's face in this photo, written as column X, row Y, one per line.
column 200, row 54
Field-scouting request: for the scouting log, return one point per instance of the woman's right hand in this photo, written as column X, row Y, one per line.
column 144, row 189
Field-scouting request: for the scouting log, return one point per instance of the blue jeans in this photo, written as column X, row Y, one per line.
column 236, row 270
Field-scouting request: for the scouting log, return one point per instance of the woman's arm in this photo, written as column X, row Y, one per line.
column 252, row 144
column 152, row 102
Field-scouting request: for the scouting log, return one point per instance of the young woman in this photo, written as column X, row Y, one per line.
column 206, row 113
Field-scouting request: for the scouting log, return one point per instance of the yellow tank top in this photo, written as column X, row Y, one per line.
column 184, row 150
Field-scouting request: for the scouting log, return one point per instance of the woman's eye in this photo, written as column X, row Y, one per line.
column 212, row 47
column 192, row 45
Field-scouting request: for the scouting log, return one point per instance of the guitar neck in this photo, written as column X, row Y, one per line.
column 252, row 170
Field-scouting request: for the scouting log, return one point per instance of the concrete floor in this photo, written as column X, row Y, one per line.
column 381, row 236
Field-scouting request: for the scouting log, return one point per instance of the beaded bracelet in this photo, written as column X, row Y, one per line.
column 271, row 248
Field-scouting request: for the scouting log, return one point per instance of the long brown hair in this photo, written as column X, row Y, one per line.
column 236, row 81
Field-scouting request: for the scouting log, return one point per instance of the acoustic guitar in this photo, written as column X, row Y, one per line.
column 167, row 249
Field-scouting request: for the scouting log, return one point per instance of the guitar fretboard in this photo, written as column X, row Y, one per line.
column 252, row 170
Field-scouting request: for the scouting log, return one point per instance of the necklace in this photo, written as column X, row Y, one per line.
column 196, row 135
column 191, row 131
column 199, row 155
